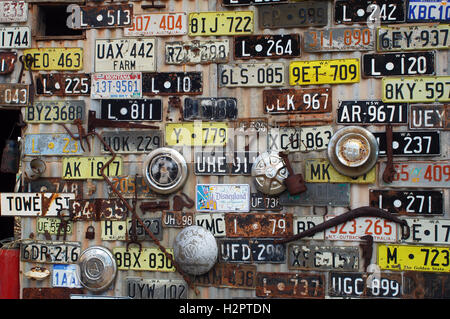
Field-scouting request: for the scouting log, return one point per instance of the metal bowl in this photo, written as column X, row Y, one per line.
column 97, row 268
column 270, row 172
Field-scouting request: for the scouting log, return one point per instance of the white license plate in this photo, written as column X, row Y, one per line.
column 303, row 139
column 223, row 197
column 154, row 24
column 118, row 85
column 193, row 52
column 13, row 11
column 428, row 231
column 302, row 223
column 214, row 222
column 53, row 252
column 251, row 75
column 15, row 38
column 34, row 204
column 65, row 276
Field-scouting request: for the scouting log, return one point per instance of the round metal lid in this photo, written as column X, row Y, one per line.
column 270, row 172
column 165, row 170
column 97, row 268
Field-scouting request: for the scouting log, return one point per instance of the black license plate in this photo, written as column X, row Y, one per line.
column 411, row 143
column 136, row 141
column 422, row 285
column 152, row 224
column 260, row 201
column 266, row 46
column 7, row 62
column 131, row 110
column 250, row 2
column 63, row 84
column 406, row 63
column 371, row 112
column 210, row 109
column 369, row 11
column 251, row 251
column 172, row 83
column 218, row 163
column 291, row 15
column 109, row 16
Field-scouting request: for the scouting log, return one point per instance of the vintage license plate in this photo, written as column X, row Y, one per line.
column 321, row 171
column 149, row 258
column 251, row 125
column 50, row 144
column 196, row 134
column 250, row 2
column 222, row 197
column 55, row 59
column 108, row 16
column 421, row 37
column 177, row 219
column 414, row 258
column 219, row 163
column 55, row 185
column 63, row 84
column 324, row 72
column 128, row 185
column 141, row 288
column 51, row 225
column 302, row 223
column 304, row 139
column 97, row 209
column 172, row 83
column 34, row 204
column 271, row 46
column 117, row 85
column 113, row 229
column 158, row 24
column 251, row 74
column 89, row 167
column 260, row 201
column 65, row 276
column 7, row 61
column 305, row 101
column 356, row 285
column 408, row 201
column 406, row 63
column 313, row 257
column 291, row 15
column 50, row 112
column 210, row 109
column 194, row 52
column 426, row 285
column 290, row 285
column 125, row 55
column 15, row 37
column 339, row 39
column 371, row 112
column 429, row 116
column 227, row 275
column 54, row 252
column 411, row 143
column 251, row 225
column 428, row 11
column 129, row 142
column 258, row 251
column 315, row 138
column 14, row 94
column 369, row 11
column 13, row 11
column 221, row 23
column 122, row 230
column 416, row 89
column 319, row 194
column 131, row 110
column 428, row 231
column 214, row 222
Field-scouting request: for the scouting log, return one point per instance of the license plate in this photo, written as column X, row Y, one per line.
column 436, row 285
column 125, row 55
column 290, row 285
column 51, row 225
column 50, row 112
column 226, row 275
column 270, row 46
column 34, row 204
column 196, row 134
column 53, row 252
column 220, row 23
column 428, row 11
column 15, row 38
column 426, row 116
column 251, row 74
column 408, row 201
column 315, row 138
column 158, row 24
column 339, row 39
column 219, row 163
column 255, row 225
column 12, row 94
column 194, row 52
column 113, row 229
column 324, row 72
column 55, row 59
column 63, row 84
column 172, row 83
column 13, row 11
column 222, row 197
column 313, row 257
column 177, row 219
column 414, row 258
column 55, row 185
column 89, row 167
column 305, row 101
column 210, row 109
column 428, row 231
column 419, row 174
column 407, row 63
column 416, row 89
column 257, row 251
column 214, row 222
column 129, row 142
column 109, row 16
column 371, row 112
column 151, row 259
column 260, row 201
column 319, row 194
column 97, row 209
column 321, row 171
column 50, row 144
column 251, row 125
column 131, row 110
column 250, row 2
column 411, row 143
column 122, row 230
column 369, row 11
column 421, row 37
column 7, row 61
column 65, row 276
column 294, row 139
column 118, row 85
column 128, row 185
column 141, row 288
column 291, row 15
column 302, row 223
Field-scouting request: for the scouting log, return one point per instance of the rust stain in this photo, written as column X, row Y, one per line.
column 47, row 202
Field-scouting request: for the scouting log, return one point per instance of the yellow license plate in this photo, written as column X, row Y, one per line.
column 151, row 259
column 221, row 23
column 414, row 258
column 196, row 134
column 324, row 72
column 89, row 167
column 51, row 225
column 416, row 89
column 321, row 171
column 58, row 59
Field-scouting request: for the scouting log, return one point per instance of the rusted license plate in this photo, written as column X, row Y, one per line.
column 217, row 23
column 258, row 251
column 287, row 101
column 116, row 85
column 313, row 257
column 321, row 171
column 129, row 142
column 324, row 72
column 416, row 89
column 177, row 219
column 319, row 194
column 50, row 144
column 129, row 186
column 222, row 197
column 7, row 61
column 51, row 225
column 55, row 59
column 158, row 24
column 13, row 11
column 260, row 201
column 214, row 222
column 147, row 258
column 369, row 11
column 53, row 252
column 250, row 2
column 194, row 52
column 34, row 204
column 302, row 223
column 51, row 293
column 219, row 163
column 291, row 15
column 15, row 37
column 90, row 167
column 172, row 83
column 141, row 288
column 422, row 285
column 259, row 225
column 63, row 84
column 371, row 112
column 122, row 229
column 196, row 134
column 269, row 46
column 290, row 285
column 106, row 16
column 97, row 209
column 251, row 74
column 429, row 116
column 55, row 111
column 210, row 108
column 14, row 94
column 131, row 110
column 428, row 231
column 428, row 11
column 226, row 275
column 339, row 39
column 55, row 185
column 413, row 143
